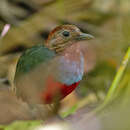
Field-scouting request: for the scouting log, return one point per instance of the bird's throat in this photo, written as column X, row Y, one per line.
column 73, row 52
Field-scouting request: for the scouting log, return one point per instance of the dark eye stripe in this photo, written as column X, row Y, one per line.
column 66, row 34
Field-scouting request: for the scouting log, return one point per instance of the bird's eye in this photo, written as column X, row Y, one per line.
column 66, row 34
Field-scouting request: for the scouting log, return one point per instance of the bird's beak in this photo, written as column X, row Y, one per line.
column 84, row 36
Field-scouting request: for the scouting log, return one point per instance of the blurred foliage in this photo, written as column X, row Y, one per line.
column 107, row 20
column 102, row 74
column 21, row 125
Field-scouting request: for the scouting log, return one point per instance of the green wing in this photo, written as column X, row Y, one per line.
column 33, row 57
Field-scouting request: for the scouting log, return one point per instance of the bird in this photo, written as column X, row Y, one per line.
column 47, row 73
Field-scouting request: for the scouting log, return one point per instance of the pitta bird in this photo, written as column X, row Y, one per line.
column 47, row 73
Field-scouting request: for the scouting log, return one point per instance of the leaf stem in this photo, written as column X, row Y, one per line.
column 117, row 78
column 115, row 83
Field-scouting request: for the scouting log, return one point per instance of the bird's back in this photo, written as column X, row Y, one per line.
column 29, row 76
column 31, row 58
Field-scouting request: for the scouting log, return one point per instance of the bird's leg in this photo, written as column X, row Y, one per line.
column 55, row 108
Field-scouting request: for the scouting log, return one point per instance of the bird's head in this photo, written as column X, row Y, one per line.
column 65, row 35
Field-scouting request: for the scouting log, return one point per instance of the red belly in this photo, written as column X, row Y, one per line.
column 56, row 91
